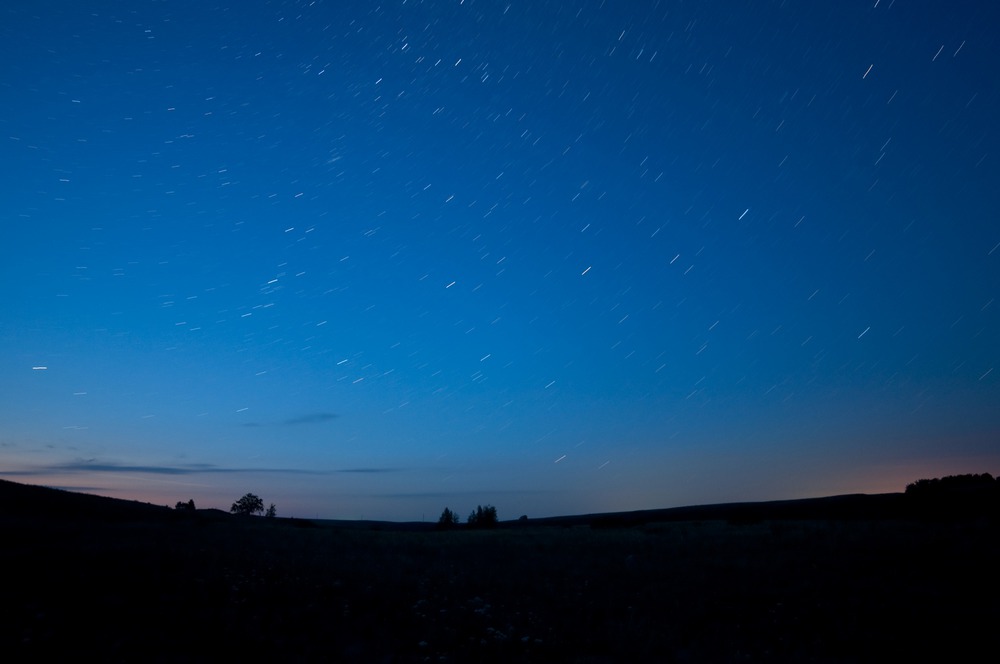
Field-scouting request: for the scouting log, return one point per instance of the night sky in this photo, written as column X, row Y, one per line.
column 371, row 260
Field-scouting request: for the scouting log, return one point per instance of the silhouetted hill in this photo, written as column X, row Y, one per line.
column 852, row 506
column 844, row 578
column 950, row 497
column 27, row 500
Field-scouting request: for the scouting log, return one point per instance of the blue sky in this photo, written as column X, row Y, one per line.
column 373, row 260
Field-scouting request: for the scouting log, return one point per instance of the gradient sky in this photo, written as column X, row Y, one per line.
column 371, row 260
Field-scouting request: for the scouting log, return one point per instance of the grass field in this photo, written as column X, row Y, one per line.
column 130, row 582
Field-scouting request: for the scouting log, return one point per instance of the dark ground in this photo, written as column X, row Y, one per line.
column 798, row 581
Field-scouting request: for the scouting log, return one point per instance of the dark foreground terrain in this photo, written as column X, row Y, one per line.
column 859, row 578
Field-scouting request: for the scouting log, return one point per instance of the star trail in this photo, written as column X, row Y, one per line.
column 371, row 260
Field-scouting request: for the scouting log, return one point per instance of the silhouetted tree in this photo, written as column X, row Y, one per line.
column 952, row 484
column 483, row 517
column 248, row 504
column 448, row 519
column 271, row 512
column 181, row 505
column 955, row 496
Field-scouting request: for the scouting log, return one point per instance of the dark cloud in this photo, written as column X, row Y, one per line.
column 86, row 466
column 308, row 418
column 311, row 418
column 369, row 470
column 94, row 466
column 184, row 469
column 455, row 495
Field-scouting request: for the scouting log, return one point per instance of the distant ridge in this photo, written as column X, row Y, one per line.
column 849, row 506
column 29, row 501
column 26, row 500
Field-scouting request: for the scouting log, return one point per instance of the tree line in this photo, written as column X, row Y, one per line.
column 481, row 517
column 967, row 496
column 951, row 484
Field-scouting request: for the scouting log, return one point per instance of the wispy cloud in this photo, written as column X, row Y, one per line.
column 369, row 470
column 90, row 467
column 311, row 418
column 94, row 466
column 185, row 469
column 449, row 495
column 308, row 418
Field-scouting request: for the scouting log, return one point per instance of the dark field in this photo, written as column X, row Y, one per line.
column 88, row 576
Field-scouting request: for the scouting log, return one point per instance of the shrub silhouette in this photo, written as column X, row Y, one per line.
column 182, row 506
column 271, row 512
column 448, row 519
column 483, row 517
column 248, row 504
column 952, row 484
column 955, row 495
